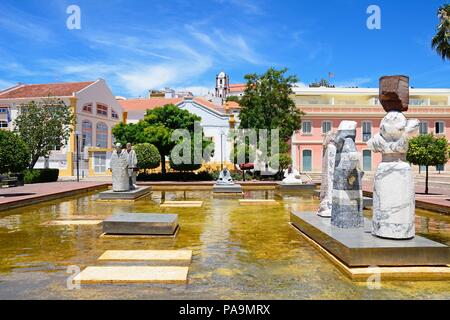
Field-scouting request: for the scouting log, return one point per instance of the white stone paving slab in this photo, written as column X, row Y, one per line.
column 132, row 274
column 151, row 255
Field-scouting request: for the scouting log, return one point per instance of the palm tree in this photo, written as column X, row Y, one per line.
column 441, row 41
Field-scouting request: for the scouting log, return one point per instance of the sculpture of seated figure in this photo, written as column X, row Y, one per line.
column 225, row 177
column 291, row 176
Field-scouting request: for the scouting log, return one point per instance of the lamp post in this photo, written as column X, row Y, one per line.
column 221, row 150
column 77, row 133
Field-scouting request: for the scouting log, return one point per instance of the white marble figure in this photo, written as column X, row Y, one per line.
column 393, row 191
column 291, row 176
column 326, row 187
column 225, row 177
column 132, row 165
column 119, row 168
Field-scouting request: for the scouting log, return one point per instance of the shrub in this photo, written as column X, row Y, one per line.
column 14, row 155
column 183, row 166
column 147, row 155
column 41, row 175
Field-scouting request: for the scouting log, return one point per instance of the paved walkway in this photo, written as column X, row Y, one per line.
column 34, row 193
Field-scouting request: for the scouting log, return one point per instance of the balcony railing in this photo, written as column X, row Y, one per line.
column 369, row 109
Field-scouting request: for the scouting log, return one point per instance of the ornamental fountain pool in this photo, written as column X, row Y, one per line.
column 239, row 252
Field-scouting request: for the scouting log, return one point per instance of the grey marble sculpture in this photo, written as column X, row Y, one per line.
column 393, row 191
column 326, row 187
column 132, row 165
column 119, row 168
column 347, row 198
column 225, row 177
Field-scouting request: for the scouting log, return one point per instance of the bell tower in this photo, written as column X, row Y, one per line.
column 222, row 86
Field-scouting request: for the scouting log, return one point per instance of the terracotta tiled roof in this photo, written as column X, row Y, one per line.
column 147, row 103
column 232, row 105
column 45, row 90
column 237, row 87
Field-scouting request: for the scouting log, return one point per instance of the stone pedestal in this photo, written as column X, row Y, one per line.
column 359, row 248
column 227, row 188
column 124, row 195
column 296, row 186
column 141, row 224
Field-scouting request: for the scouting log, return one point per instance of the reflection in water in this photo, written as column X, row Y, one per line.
column 239, row 252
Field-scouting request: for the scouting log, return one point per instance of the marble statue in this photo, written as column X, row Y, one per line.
column 291, row 176
column 347, row 198
column 326, row 187
column 393, row 191
column 132, row 166
column 225, row 177
column 119, row 168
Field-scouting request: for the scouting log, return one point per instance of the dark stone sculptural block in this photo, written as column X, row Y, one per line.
column 394, row 93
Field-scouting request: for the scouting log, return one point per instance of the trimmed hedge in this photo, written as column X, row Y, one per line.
column 176, row 176
column 41, row 175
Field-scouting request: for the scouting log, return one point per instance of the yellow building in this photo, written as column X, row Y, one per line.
column 97, row 112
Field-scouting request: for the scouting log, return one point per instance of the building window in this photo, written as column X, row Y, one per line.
column 3, row 110
column 417, row 102
column 307, row 160
column 440, row 168
column 306, row 127
column 439, row 127
column 102, row 135
column 86, row 131
column 114, row 114
column 367, row 160
column 326, row 127
column 87, row 108
column 423, row 127
column 3, row 124
column 99, row 162
column 102, row 110
column 366, row 130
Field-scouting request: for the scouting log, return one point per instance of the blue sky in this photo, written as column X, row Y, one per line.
column 139, row 45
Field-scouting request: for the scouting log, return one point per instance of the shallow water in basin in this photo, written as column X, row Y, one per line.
column 238, row 251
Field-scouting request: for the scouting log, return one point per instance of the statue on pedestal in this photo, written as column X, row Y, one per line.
column 347, row 198
column 326, row 187
column 225, row 177
column 393, row 191
column 291, row 176
column 132, row 166
column 119, row 168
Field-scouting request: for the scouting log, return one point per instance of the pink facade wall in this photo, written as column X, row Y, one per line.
column 314, row 140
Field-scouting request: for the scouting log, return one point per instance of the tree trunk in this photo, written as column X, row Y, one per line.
column 163, row 164
column 34, row 159
column 426, row 180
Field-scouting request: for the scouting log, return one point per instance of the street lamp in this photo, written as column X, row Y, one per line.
column 77, row 133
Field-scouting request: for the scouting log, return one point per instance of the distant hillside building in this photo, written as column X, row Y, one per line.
column 224, row 89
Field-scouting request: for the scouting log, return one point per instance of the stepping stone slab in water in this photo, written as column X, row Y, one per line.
column 73, row 222
column 257, row 202
column 133, row 274
column 182, row 204
column 141, row 224
column 149, row 255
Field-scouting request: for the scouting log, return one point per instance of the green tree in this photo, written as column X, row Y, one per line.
column 267, row 104
column 233, row 98
column 157, row 128
column 284, row 161
column 44, row 125
column 441, row 41
column 147, row 155
column 428, row 150
column 322, row 83
column 14, row 155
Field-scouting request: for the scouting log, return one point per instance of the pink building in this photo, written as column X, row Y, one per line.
column 325, row 108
